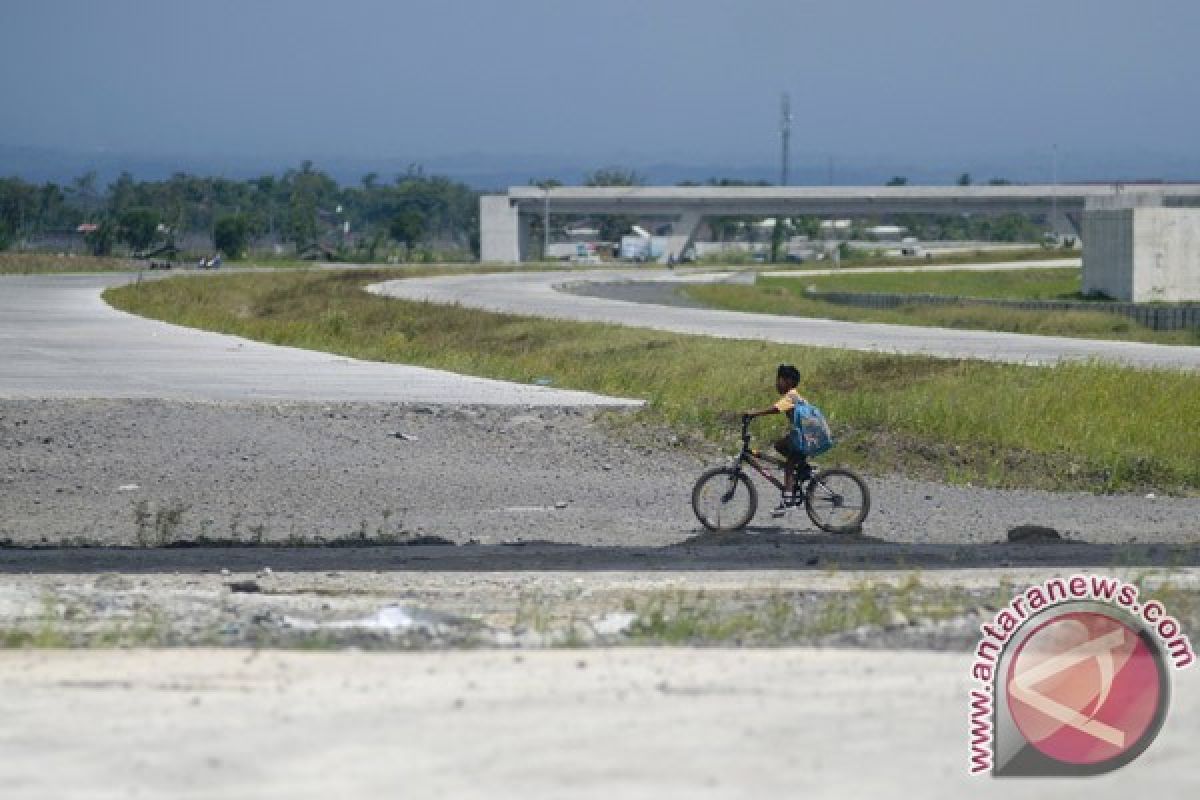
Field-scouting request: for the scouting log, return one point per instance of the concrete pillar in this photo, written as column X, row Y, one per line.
column 499, row 230
column 1065, row 223
column 1136, row 250
column 525, row 237
column 1166, row 255
column 683, row 234
column 1108, row 253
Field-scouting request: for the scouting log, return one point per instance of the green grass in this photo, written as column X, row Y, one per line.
column 1060, row 283
column 786, row 296
column 1089, row 426
column 676, row 617
column 863, row 258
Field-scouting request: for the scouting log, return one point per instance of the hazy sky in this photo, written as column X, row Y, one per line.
column 604, row 79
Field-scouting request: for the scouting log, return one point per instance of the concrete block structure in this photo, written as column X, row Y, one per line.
column 1138, row 250
column 500, row 228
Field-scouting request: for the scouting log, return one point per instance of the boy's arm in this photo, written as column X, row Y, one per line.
column 783, row 405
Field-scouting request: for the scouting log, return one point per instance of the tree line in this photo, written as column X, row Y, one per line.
column 304, row 208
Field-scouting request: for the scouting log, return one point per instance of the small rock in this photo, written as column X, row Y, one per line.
column 560, row 505
column 245, row 587
column 614, row 623
column 896, row 619
column 1033, row 534
column 865, row 632
column 224, row 573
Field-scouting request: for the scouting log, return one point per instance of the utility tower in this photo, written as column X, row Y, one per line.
column 785, row 136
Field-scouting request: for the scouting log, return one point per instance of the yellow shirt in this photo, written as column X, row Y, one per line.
column 788, row 402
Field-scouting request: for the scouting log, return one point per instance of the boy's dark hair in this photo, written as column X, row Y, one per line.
column 788, row 373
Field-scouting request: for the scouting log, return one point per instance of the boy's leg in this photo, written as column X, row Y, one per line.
column 804, row 470
column 784, row 448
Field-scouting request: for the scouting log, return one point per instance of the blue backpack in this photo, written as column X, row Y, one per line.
column 810, row 432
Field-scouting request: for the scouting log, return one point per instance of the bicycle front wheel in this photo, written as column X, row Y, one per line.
column 837, row 501
column 724, row 499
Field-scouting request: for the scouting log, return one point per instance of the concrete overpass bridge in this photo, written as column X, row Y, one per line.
column 505, row 220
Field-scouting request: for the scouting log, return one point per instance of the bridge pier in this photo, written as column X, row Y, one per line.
column 683, row 234
column 500, row 239
column 1136, row 249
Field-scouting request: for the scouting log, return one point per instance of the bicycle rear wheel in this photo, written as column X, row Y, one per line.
column 837, row 501
column 724, row 499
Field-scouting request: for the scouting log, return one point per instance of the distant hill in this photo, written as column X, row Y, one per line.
column 493, row 172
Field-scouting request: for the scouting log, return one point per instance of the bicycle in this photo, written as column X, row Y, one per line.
column 724, row 498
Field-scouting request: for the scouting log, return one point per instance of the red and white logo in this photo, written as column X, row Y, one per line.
column 1085, row 688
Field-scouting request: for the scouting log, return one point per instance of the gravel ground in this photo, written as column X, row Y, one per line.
column 138, row 472
column 195, row 524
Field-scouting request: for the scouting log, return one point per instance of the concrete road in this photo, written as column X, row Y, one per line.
column 629, row 723
column 59, row 339
column 538, row 293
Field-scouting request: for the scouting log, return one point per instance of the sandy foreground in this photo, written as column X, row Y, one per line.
column 552, row 723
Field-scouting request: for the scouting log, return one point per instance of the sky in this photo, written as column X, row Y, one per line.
column 606, row 81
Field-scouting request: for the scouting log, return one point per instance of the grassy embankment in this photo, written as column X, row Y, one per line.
column 786, row 295
column 49, row 263
column 1056, row 283
column 1092, row 427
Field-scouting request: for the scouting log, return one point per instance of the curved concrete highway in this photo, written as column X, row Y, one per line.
column 540, row 294
column 58, row 338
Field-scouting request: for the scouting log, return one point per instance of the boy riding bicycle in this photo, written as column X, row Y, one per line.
column 787, row 378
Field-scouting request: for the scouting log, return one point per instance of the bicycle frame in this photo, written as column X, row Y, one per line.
column 757, row 459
